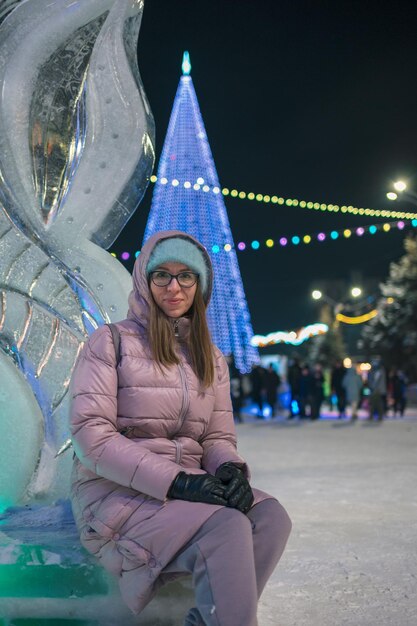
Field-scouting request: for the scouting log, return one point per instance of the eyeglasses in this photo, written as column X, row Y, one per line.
column 161, row 278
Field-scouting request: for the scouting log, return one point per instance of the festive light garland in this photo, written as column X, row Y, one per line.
column 295, row 338
column 296, row 240
column 358, row 319
column 200, row 185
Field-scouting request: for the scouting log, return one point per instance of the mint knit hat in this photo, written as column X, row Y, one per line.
column 179, row 250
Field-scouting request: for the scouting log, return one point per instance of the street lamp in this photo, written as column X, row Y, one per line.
column 316, row 294
column 333, row 307
column 341, row 316
column 401, row 187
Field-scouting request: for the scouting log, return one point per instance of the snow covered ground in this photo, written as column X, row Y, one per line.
column 351, row 491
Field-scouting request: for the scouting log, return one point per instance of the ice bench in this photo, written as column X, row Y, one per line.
column 48, row 579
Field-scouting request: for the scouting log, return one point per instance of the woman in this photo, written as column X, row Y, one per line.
column 158, row 489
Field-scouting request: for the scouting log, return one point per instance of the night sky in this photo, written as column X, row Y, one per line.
column 309, row 100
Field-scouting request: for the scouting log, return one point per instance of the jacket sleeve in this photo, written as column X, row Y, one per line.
column 93, row 417
column 219, row 443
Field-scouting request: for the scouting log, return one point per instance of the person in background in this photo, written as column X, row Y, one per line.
column 316, row 391
column 159, row 489
column 338, row 373
column 398, row 387
column 353, row 385
column 272, row 382
column 304, row 390
column 236, row 388
column 377, row 382
column 257, row 379
column 293, row 377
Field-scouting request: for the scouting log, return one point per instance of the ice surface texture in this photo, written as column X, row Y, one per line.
column 76, row 153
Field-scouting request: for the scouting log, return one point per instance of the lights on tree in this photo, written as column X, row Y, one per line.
column 187, row 196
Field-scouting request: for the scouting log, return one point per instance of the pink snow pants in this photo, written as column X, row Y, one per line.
column 231, row 558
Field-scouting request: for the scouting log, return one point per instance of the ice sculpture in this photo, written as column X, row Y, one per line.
column 76, row 153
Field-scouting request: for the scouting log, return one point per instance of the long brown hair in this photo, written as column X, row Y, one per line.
column 162, row 339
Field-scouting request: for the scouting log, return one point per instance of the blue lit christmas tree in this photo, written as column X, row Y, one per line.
column 187, row 196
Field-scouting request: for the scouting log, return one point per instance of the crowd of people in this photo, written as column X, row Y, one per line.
column 305, row 389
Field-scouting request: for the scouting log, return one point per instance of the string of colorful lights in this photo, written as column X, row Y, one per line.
column 296, row 240
column 200, row 185
column 295, row 338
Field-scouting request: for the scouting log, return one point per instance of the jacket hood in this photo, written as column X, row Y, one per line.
column 140, row 295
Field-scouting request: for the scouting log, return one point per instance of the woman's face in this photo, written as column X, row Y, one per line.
column 173, row 299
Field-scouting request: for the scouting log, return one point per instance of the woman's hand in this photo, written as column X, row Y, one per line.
column 198, row 488
column 238, row 492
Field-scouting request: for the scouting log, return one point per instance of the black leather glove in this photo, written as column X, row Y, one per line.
column 238, row 492
column 197, row 488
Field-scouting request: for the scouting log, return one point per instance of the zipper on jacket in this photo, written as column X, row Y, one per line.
column 178, row 451
column 176, row 324
column 185, row 398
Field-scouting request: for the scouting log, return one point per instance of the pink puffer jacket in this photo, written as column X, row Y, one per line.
column 133, row 430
